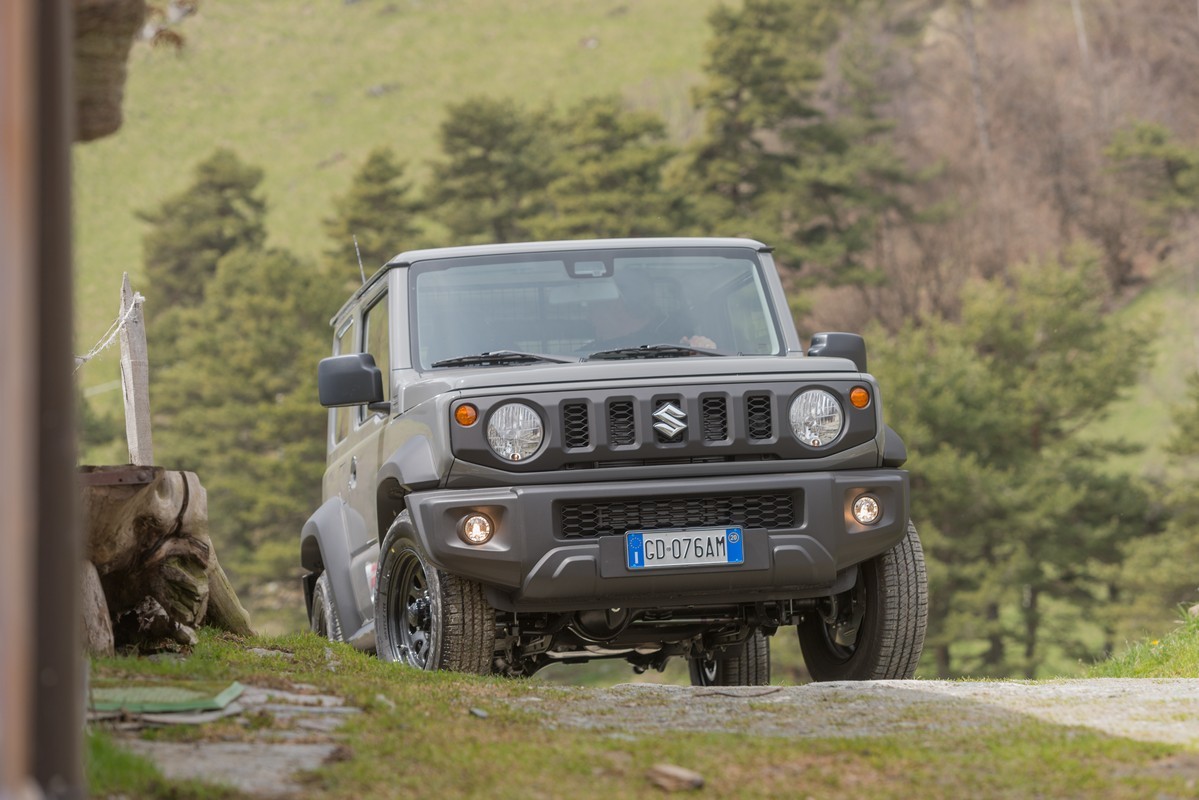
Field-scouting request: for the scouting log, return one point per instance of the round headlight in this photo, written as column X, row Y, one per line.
column 514, row 432
column 816, row 418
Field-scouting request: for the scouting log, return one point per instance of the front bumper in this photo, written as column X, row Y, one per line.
column 543, row 556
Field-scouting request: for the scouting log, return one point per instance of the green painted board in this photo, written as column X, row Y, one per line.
column 159, row 698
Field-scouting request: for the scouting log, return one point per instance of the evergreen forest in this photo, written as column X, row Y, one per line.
column 1001, row 195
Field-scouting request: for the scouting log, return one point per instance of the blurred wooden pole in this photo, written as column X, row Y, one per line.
column 135, row 379
column 18, row 370
column 58, row 683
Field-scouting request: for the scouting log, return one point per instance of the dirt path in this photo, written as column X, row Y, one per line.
column 1146, row 710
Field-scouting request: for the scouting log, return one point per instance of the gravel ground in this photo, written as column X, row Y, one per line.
column 302, row 735
column 1147, row 710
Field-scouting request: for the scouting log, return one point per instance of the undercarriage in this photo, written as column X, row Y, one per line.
column 646, row 638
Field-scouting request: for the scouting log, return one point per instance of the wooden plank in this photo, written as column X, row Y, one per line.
column 116, row 476
column 135, row 378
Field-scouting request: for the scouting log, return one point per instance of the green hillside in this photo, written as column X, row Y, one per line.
column 306, row 89
column 1170, row 309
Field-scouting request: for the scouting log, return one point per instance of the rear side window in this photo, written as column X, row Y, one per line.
column 343, row 344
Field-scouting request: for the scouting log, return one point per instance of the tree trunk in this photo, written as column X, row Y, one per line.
column 1032, row 624
column 995, row 657
column 147, row 537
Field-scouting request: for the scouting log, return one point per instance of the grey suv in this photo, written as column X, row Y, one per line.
column 566, row 451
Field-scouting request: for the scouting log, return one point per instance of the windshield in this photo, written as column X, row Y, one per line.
column 567, row 306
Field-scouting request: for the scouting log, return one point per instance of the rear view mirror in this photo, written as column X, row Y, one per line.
column 349, row 380
column 840, row 345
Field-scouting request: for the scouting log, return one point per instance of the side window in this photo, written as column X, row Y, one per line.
column 343, row 344
column 376, row 342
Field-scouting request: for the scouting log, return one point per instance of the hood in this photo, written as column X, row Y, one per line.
column 417, row 387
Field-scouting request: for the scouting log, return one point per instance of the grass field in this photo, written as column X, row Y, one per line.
column 306, row 89
column 1169, row 310
column 415, row 738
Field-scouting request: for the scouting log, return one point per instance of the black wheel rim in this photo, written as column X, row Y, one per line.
column 704, row 670
column 411, row 613
column 842, row 619
column 319, row 624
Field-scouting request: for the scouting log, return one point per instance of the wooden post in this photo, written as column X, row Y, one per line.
column 19, row 355
column 135, row 378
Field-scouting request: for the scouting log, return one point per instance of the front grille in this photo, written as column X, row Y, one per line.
column 576, row 430
column 715, row 412
column 758, row 417
column 621, row 427
column 614, row 517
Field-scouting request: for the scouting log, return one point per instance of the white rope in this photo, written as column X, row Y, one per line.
column 111, row 334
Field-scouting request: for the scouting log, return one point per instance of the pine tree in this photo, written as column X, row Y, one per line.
column 238, row 406
column 845, row 178
column 498, row 163
column 377, row 210
column 192, row 230
column 1012, row 503
column 779, row 161
column 764, row 64
column 610, row 183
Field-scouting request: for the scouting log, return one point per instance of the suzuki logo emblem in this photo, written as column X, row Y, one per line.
column 671, row 420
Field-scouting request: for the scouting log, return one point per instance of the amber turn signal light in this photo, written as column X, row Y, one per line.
column 859, row 397
column 466, row 415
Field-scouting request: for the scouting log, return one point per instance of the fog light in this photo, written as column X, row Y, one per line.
column 475, row 529
column 867, row 509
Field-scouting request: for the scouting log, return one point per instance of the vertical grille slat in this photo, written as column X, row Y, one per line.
column 759, row 416
column 576, row 429
column 715, row 419
column 622, row 429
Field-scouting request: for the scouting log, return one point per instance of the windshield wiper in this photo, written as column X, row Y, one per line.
column 500, row 357
column 651, row 351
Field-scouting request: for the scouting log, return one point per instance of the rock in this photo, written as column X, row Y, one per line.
column 97, row 625
column 1193, row 610
column 673, row 778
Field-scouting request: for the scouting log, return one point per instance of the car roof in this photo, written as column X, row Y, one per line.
column 410, row 257
column 413, row 256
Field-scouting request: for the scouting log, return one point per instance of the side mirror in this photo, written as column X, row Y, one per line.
column 840, row 345
column 349, row 381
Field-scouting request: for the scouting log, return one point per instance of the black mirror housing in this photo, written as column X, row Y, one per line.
column 351, row 380
column 840, row 345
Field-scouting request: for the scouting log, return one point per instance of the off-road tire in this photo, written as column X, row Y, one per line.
column 322, row 617
column 893, row 592
column 425, row 617
column 746, row 664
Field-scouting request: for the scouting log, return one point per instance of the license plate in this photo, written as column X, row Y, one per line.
column 712, row 546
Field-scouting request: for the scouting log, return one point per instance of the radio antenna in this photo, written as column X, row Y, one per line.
column 361, row 270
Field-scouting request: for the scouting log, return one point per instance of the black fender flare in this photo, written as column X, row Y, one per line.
column 895, row 452
column 412, row 467
column 325, row 544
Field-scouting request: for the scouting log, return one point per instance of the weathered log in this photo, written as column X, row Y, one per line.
column 147, row 535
